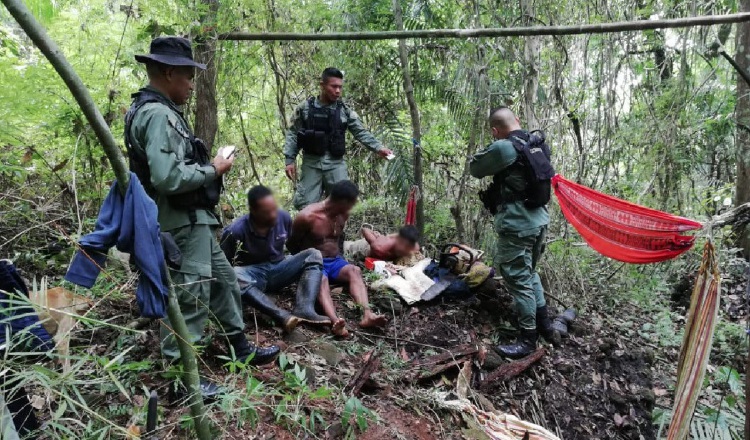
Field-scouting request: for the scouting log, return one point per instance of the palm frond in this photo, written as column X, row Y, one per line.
column 728, row 424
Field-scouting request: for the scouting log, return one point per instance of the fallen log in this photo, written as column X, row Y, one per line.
column 440, row 368
column 433, row 365
column 460, row 351
column 512, row 369
column 736, row 216
column 371, row 365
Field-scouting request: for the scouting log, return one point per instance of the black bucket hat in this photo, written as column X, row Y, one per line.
column 172, row 51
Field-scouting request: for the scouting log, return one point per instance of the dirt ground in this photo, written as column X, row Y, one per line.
column 596, row 385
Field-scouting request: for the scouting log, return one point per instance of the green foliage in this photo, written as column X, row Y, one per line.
column 720, row 412
column 355, row 417
column 662, row 138
column 293, row 409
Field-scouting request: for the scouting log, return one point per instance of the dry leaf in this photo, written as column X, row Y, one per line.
column 660, row 392
column 619, row 420
column 37, row 402
column 134, row 432
column 482, row 354
column 60, row 166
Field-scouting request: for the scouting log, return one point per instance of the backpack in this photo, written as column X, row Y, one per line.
column 534, row 156
column 534, row 160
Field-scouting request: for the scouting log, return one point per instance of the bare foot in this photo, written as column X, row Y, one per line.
column 372, row 320
column 339, row 328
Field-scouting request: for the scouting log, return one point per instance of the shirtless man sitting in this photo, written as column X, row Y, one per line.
column 392, row 247
column 321, row 226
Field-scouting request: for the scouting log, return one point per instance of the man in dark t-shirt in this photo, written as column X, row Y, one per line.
column 254, row 244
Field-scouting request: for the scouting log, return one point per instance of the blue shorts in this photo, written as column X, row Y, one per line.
column 332, row 267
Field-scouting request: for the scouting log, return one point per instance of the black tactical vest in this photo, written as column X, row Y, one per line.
column 206, row 197
column 534, row 162
column 323, row 131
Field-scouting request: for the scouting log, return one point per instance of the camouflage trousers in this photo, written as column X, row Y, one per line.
column 317, row 175
column 206, row 288
column 516, row 259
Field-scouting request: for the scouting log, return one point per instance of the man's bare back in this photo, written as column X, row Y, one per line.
column 317, row 227
column 382, row 247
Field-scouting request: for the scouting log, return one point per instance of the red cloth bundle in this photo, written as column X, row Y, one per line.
column 622, row 230
column 411, row 208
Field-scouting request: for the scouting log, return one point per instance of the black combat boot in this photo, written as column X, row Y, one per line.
column 525, row 345
column 545, row 328
column 307, row 294
column 208, row 389
column 244, row 350
column 259, row 300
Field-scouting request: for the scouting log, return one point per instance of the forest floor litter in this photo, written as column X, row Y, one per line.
column 596, row 385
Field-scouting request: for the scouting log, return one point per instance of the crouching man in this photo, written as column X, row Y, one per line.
column 254, row 244
column 321, row 226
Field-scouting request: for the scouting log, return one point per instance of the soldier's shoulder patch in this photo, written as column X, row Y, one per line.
column 178, row 126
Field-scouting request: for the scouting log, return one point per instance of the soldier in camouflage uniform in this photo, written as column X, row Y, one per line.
column 177, row 172
column 521, row 231
column 318, row 129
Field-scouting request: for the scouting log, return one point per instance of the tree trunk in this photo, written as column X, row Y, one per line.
column 482, row 106
column 52, row 52
column 742, row 137
column 206, row 109
column 531, row 63
column 416, row 128
column 278, row 75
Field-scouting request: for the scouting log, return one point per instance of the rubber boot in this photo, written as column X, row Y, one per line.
column 561, row 327
column 246, row 352
column 307, row 294
column 525, row 345
column 545, row 328
column 564, row 321
column 259, row 300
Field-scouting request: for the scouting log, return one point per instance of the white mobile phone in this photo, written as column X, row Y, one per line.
column 228, row 151
column 391, row 156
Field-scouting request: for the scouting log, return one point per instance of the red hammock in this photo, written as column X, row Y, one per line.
column 622, row 230
column 411, row 207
